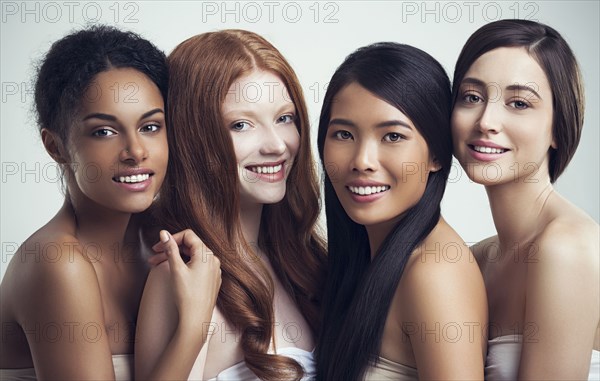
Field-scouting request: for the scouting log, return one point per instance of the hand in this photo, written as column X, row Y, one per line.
column 195, row 284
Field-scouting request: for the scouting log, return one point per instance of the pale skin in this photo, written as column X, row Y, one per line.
column 542, row 269
column 71, row 293
column 264, row 134
column 438, row 314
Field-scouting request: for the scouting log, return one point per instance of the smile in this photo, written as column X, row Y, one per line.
column 362, row 191
column 266, row 169
column 482, row 149
column 132, row 178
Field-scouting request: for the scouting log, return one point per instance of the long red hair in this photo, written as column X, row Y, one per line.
column 201, row 192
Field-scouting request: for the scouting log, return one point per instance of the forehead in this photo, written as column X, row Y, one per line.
column 362, row 106
column 509, row 66
column 127, row 88
column 258, row 87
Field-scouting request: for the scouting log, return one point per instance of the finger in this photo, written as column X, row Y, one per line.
column 157, row 259
column 171, row 250
column 187, row 238
column 191, row 244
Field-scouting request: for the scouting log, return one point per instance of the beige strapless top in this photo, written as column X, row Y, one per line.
column 504, row 355
column 386, row 369
column 123, row 365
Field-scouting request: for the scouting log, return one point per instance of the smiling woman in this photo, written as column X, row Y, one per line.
column 242, row 176
column 518, row 111
column 72, row 314
column 384, row 141
column 263, row 127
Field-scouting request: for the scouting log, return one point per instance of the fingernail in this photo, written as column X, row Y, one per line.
column 164, row 236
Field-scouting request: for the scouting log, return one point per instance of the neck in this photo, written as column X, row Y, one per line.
column 101, row 228
column 379, row 232
column 517, row 206
column 250, row 216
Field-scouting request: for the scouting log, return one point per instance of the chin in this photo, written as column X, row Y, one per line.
column 133, row 206
column 271, row 200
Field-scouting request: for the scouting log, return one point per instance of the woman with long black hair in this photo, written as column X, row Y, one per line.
column 404, row 298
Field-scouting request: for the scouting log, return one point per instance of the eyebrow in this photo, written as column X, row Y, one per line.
column 112, row 118
column 472, row 81
column 515, row 87
column 387, row 123
column 524, row 88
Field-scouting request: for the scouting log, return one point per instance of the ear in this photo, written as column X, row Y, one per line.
column 434, row 165
column 54, row 146
column 553, row 144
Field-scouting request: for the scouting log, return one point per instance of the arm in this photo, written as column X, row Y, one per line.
column 561, row 307
column 176, row 308
column 62, row 315
column 445, row 302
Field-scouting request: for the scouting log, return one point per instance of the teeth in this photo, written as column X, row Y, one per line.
column 269, row 170
column 488, row 149
column 133, row 178
column 368, row 190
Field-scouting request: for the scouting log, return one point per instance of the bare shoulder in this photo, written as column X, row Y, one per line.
column 443, row 250
column 567, row 227
column 48, row 266
column 443, row 264
column 569, row 241
column 442, row 281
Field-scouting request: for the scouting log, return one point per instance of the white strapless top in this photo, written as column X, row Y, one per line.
column 123, row 365
column 504, row 355
column 241, row 372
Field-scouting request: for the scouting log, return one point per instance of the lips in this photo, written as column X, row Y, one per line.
column 365, row 191
column 482, row 150
column 268, row 172
column 133, row 176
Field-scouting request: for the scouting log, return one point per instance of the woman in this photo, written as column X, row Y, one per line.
column 517, row 119
column 70, row 296
column 404, row 299
column 242, row 177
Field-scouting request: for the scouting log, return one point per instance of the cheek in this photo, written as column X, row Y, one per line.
column 334, row 159
column 242, row 146
column 292, row 140
column 160, row 150
column 460, row 122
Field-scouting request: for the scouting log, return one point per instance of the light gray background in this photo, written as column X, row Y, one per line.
column 315, row 37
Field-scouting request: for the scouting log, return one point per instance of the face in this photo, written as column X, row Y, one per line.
column 259, row 114
column 118, row 146
column 377, row 160
column 502, row 120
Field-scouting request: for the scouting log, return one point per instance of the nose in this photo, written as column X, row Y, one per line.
column 490, row 119
column 134, row 150
column 272, row 141
column 365, row 157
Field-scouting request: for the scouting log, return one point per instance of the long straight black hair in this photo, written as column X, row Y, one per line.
column 359, row 291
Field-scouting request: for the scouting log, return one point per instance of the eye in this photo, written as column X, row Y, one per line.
column 472, row 98
column 393, row 137
column 519, row 105
column 103, row 132
column 240, row 126
column 153, row 127
column 342, row 135
column 286, row 119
